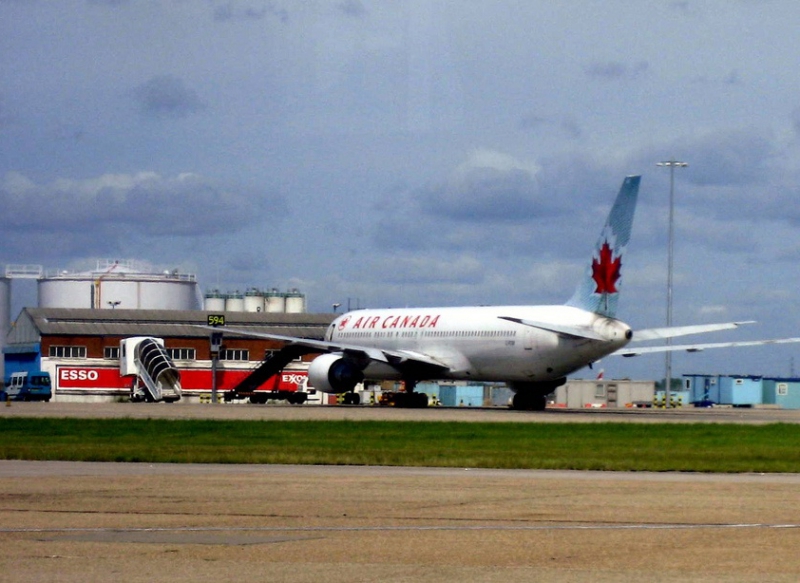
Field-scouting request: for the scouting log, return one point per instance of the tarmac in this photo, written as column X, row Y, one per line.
column 245, row 411
column 66, row 521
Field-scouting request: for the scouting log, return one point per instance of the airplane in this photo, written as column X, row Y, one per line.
column 530, row 348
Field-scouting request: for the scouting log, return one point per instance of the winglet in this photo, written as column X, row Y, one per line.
column 599, row 290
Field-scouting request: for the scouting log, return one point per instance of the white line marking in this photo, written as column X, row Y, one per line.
column 407, row 528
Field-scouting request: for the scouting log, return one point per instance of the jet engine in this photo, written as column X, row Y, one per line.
column 332, row 373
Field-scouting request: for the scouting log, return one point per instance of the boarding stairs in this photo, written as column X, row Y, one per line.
column 273, row 363
column 157, row 378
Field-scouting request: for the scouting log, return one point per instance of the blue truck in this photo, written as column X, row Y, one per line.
column 27, row 386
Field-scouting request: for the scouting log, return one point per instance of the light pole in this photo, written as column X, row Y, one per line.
column 671, row 164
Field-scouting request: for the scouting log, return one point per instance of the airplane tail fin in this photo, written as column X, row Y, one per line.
column 599, row 290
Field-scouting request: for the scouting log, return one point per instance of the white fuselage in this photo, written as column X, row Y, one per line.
column 477, row 343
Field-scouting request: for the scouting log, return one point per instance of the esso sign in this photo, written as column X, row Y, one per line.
column 72, row 374
column 293, row 378
column 84, row 377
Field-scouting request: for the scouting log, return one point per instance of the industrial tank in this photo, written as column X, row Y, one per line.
column 295, row 302
column 119, row 284
column 5, row 318
column 234, row 302
column 214, row 301
column 276, row 302
column 254, row 300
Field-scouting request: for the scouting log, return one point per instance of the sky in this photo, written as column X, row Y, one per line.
column 419, row 153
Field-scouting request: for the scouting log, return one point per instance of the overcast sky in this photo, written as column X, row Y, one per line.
column 415, row 153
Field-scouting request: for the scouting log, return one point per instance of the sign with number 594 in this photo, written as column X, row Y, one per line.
column 216, row 319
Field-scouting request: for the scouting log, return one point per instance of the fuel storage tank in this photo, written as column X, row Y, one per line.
column 5, row 318
column 124, row 284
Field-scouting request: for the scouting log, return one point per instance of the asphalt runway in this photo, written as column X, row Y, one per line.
column 65, row 521
column 84, row 522
column 185, row 410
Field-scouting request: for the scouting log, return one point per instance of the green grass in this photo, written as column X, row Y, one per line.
column 612, row 446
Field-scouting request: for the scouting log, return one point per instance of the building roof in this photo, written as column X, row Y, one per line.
column 36, row 322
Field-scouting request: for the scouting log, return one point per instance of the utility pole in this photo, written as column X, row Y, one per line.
column 671, row 164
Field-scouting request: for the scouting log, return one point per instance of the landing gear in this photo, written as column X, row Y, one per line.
column 420, row 400
column 351, row 399
column 407, row 399
column 297, row 398
column 411, row 400
column 529, row 402
column 533, row 396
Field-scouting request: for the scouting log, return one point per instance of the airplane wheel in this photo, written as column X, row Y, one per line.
column 528, row 402
column 351, row 399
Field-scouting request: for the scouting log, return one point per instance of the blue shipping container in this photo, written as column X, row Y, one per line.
column 740, row 390
column 702, row 388
column 784, row 393
column 461, row 395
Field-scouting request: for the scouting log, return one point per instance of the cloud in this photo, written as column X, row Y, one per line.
column 109, row 2
column 737, row 180
column 167, row 96
column 567, row 126
column 489, row 186
column 795, row 120
column 611, row 70
column 352, row 8
column 730, row 157
column 732, row 78
column 103, row 211
column 497, row 207
column 3, row 115
column 426, row 269
column 725, row 159
column 238, row 10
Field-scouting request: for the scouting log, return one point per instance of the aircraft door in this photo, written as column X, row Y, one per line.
column 529, row 345
column 528, row 339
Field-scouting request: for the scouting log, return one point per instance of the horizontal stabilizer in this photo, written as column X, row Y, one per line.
column 674, row 331
column 699, row 347
column 572, row 331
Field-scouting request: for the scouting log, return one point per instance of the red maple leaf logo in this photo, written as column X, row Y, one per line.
column 343, row 323
column 606, row 271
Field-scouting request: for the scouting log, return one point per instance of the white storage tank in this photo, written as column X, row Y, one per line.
column 5, row 318
column 276, row 301
column 214, row 301
column 119, row 284
column 295, row 302
column 254, row 300
column 234, row 302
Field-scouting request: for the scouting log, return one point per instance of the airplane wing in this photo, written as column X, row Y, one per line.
column 698, row 347
column 673, row 331
column 391, row 357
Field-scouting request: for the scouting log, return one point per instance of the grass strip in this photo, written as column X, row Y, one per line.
column 575, row 446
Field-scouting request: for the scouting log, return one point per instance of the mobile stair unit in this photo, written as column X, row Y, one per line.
column 155, row 377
